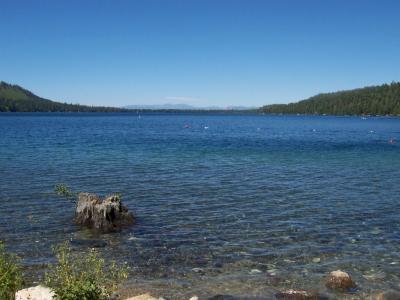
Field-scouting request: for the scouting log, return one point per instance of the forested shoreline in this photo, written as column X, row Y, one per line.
column 373, row 100
column 14, row 98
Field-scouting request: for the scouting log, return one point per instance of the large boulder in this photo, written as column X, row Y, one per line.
column 35, row 293
column 106, row 215
column 339, row 280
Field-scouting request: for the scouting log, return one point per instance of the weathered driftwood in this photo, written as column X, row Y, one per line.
column 106, row 215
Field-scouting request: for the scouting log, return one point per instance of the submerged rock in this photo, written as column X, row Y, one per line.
column 222, row 297
column 89, row 243
column 198, row 270
column 388, row 295
column 374, row 275
column 35, row 293
column 339, row 280
column 218, row 264
column 143, row 297
column 200, row 261
column 316, row 260
column 231, row 297
column 296, row 295
column 104, row 215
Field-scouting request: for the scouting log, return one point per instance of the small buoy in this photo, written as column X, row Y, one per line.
column 205, row 127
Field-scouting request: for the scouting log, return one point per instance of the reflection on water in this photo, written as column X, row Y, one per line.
column 251, row 205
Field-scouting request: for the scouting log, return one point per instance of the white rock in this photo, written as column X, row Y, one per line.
column 35, row 293
column 143, row 297
column 194, row 298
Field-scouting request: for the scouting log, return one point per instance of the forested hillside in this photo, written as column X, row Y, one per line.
column 14, row 98
column 374, row 100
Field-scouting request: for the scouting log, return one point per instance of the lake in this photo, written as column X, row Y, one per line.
column 225, row 203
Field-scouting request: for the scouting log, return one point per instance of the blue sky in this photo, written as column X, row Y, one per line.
column 197, row 52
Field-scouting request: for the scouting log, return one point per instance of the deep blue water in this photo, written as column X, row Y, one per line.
column 254, row 201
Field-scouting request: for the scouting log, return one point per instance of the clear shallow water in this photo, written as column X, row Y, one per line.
column 230, row 194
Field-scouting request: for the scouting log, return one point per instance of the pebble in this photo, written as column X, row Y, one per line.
column 255, row 271
column 316, row 260
column 201, row 261
column 296, row 295
column 198, row 270
column 376, row 231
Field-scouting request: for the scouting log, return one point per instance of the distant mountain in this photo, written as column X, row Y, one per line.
column 160, row 106
column 179, row 106
column 14, row 98
column 240, row 108
column 373, row 100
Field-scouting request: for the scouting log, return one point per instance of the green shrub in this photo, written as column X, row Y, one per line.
column 10, row 274
column 85, row 276
column 64, row 191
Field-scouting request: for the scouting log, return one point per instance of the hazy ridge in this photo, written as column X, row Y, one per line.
column 372, row 100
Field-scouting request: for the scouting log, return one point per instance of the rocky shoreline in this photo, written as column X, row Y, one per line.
column 109, row 215
column 340, row 283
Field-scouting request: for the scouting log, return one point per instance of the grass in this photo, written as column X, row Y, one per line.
column 10, row 274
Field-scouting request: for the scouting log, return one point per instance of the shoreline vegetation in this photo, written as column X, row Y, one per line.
column 75, row 276
column 382, row 100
